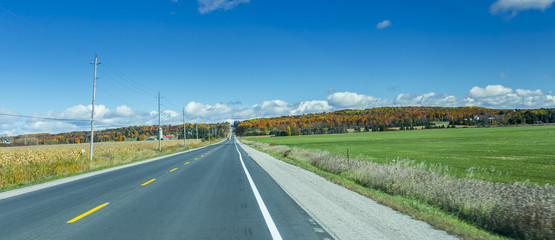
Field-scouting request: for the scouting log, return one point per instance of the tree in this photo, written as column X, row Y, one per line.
column 141, row 137
column 288, row 131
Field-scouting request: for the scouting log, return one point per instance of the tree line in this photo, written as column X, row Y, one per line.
column 389, row 118
column 139, row 133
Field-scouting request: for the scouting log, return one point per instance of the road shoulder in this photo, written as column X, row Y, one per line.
column 341, row 212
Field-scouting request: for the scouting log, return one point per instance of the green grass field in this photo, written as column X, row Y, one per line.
column 503, row 154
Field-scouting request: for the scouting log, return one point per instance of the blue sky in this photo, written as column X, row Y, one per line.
column 240, row 59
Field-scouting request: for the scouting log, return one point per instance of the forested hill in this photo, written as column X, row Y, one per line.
column 387, row 118
column 138, row 133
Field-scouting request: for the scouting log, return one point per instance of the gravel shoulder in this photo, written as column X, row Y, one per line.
column 343, row 213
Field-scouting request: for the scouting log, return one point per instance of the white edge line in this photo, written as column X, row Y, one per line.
column 265, row 213
column 20, row 191
column 303, row 206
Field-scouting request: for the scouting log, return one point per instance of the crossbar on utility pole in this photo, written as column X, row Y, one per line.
column 93, row 102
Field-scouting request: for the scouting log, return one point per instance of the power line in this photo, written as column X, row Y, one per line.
column 22, row 19
column 46, row 118
column 120, row 74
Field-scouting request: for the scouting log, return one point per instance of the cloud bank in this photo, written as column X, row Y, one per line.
column 206, row 6
column 490, row 96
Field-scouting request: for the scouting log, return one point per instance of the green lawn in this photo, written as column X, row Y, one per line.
column 503, row 154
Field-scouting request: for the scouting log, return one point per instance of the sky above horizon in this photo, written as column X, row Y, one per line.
column 224, row 60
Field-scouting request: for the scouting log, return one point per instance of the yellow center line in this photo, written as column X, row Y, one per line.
column 196, row 158
column 187, row 163
column 173, row 169
column 201, row 155
column 87, row 213
column 148, row 181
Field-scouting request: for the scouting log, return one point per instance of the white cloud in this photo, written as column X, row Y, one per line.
column 6, row 118
column 515, row 6
column 206, row 6
column 311, row 107
column 203, row 110
column 527, row 93
column 504, row 75
column 497, row 96
column 124, row 111
column 428, row 99
column 383, row 24
column 274, row 107
column 47, row 126
column 353, row 100
column 8, row 123
column 489, row 91
column 492, row 96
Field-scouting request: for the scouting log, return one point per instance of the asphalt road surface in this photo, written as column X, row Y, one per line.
column 209, row 193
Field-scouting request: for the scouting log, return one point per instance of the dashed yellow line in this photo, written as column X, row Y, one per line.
column 186, row 163
column 152, row 180
column 87, row 213
column 201, row 155
column 173, row 169
column 196, row 158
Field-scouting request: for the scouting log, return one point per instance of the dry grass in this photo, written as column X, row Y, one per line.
column 517, row 210
column 46, row 153
column 20, row 165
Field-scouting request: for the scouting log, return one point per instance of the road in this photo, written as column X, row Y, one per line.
column 200, row 194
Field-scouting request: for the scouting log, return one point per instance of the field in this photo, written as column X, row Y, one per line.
column 503, row 154
column 22, row 165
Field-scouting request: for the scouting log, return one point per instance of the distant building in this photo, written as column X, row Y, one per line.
column 7, row 142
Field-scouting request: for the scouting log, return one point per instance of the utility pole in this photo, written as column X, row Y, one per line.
column 92, row 113
column 159, row 126
column 196, row 126
column 184, row 129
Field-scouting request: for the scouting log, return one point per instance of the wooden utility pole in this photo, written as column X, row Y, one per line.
column 184, row 129
column 159, row 126
column 93, row 102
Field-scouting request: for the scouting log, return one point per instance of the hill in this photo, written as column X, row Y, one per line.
column 120, row 134
column 387, row 118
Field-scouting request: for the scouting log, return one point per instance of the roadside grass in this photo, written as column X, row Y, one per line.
column 470, row 208
column 502, row 154
column 18, row 175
